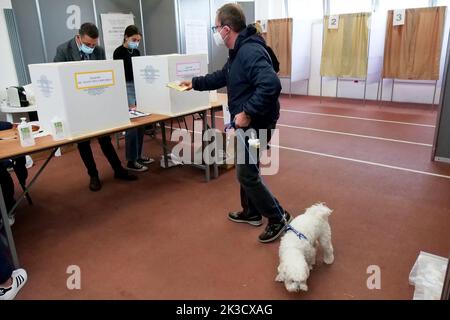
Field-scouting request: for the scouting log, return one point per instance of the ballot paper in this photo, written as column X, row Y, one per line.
column 137, row 114
column 177, row 86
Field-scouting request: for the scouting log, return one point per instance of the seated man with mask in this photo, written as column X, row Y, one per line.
column 84, row 46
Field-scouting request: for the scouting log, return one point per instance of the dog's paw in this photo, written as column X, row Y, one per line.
column 279, row 278
column 329, row 259
column 303, row 287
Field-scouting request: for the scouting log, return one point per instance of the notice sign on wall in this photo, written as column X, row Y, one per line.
column 196, row 36
column 190, row 69
column 113, row 26
column 94, row 79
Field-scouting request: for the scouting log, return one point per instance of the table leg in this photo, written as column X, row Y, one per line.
column 213, row 126
column 205, row 127
column 164, row 143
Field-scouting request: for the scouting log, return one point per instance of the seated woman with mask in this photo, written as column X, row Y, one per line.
column 134, row 138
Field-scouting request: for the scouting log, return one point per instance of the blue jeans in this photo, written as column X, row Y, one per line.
column 134, row 138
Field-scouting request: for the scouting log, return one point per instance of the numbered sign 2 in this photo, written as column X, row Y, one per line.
column 333, row 22
column 399, row 17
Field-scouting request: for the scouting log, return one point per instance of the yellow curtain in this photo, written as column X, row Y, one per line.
column 345, row 50
column 413, row 50
column 279, row 38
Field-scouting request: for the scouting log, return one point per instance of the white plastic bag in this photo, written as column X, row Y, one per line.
column 428, row 275
column 29, row 162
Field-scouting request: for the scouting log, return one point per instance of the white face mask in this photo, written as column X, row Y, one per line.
column 218, row 39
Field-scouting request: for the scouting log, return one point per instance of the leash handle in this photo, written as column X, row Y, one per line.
column 231, row 125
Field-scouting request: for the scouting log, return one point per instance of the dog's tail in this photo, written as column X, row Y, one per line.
column 321, row 210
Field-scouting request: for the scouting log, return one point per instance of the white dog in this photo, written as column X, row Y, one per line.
column 297, row 256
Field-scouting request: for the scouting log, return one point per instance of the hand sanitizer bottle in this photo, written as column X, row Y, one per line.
column 26, row 134
column 58, row 129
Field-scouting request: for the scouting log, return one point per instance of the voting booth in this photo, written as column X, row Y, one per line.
column 87, row 96
column 152, row 74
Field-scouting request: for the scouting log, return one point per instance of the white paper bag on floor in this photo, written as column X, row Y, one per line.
column 428, row 276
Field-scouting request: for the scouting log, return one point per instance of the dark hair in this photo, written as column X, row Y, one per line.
column 233, row 16
column 88, row 29
column 131, row 31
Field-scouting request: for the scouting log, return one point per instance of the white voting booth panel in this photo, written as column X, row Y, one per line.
column 88, row 96
column 153, row 73
column 301, row 50
column 376, row 46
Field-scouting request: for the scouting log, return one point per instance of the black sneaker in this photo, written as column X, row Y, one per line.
column 240, row 217
column 145, row 161
column 274, row 230
column 95, row 184
column 136, row 166
column 125, row 176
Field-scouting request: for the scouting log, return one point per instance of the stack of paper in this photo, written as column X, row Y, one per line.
column 137, row 114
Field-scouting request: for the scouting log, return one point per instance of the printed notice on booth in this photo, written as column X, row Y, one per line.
column 186, row 70
column 95, row 79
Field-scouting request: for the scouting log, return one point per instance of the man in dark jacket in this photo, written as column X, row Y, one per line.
column 253, row 92
column 84, row 47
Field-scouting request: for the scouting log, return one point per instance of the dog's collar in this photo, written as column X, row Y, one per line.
column 300, row 235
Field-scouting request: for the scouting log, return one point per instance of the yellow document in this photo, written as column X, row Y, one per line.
column 176, row 86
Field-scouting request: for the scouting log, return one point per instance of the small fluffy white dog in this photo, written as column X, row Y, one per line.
column 297, row 256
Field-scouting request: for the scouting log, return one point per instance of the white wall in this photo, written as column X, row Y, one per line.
column 415, row 92
column 269, row 9
column 8, row 76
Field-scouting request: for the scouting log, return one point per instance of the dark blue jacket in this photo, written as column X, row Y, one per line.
column 253, row 86
column 5, row 125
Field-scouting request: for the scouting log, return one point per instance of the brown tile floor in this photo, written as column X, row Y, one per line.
column 166, row 236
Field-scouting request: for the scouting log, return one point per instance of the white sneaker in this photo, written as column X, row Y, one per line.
column 11, row 221
column 19, row 277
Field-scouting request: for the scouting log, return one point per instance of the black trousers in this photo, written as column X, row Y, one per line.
column 256, row 198
column 7, row 187
column 6, row 181
column 108, row 150
column 6, row 267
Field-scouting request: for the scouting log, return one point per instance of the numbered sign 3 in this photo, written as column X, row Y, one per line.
column 399, row 17
column 264, row 26
column 333, row 22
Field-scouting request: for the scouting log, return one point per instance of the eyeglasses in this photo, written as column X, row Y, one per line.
column 214, row 28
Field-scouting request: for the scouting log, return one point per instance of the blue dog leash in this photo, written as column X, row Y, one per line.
column 301, row 236
column 297, row 233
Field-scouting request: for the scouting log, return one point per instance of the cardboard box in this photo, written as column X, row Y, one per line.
column 152, row 74
column 88, row 96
